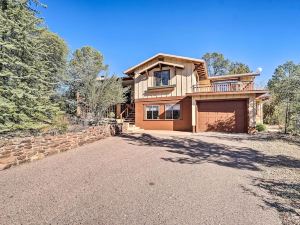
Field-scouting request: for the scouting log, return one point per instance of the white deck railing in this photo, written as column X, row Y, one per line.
column 225, row 87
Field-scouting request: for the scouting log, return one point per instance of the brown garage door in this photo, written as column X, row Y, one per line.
column 223, row 116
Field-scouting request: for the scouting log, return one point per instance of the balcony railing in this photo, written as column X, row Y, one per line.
column 225, row 87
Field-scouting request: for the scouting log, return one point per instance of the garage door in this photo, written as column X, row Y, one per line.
column 223, row 116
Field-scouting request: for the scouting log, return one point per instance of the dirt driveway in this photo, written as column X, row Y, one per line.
column 141, row 179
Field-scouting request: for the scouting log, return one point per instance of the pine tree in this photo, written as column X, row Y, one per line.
column 217, row 65
column 27, row 81
column 238, row 68
column 96, row 95
column 285, row 101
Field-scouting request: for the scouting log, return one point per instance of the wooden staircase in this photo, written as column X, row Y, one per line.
column 128, row 113
column 128, row 116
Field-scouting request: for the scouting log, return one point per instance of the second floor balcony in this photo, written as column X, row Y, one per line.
column 226, row 87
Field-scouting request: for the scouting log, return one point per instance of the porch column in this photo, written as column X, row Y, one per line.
column 194, row 120
column 118, row 111
column 252, row 114
column 261, row 105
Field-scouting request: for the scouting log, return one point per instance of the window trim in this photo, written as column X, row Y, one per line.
column 180, row 111
column 154, row 78
column 145, row 112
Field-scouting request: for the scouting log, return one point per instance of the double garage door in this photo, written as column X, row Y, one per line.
column 222, row 116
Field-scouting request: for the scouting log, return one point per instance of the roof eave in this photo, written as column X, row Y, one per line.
column 131, row 69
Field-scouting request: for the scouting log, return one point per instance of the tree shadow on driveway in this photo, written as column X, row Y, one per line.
column 195, row 151
column 284, row 196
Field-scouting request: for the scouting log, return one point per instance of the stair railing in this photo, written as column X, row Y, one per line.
column 126, row 111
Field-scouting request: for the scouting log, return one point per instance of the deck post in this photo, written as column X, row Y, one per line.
column 118, row 111
column 251, row 114
column 194, row 107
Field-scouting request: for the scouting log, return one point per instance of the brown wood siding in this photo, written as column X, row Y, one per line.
column 222, row 116
column 182, row 124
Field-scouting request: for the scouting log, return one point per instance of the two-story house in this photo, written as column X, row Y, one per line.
column 172, row 92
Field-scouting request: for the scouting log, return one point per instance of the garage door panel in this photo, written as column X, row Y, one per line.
column 224, row 116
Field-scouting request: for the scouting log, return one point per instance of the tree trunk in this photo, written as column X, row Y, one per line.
column 286, row 117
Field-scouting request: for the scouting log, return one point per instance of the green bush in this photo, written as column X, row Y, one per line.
column 260, row 127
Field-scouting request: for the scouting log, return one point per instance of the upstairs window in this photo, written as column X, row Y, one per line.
column 172, row 111
column 152, row 112
column 162, row 78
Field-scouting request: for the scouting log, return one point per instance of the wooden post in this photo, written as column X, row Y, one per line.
column 194, row 115
column 286, row 116
column 118, row 110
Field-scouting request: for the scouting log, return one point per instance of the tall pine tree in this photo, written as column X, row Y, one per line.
column 96, row 95
column 285, row 101
column 27, row 76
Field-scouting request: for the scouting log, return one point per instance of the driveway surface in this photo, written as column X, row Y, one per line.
column 155, row 178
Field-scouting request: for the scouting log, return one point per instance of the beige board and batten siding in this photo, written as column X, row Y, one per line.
column 184, row 79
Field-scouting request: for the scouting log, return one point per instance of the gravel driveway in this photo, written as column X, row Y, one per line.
column 138, row 179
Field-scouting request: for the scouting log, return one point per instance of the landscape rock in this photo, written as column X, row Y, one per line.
column 18, row 150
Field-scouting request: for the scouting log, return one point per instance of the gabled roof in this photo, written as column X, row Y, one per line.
column 194, row 60
column 163, row 63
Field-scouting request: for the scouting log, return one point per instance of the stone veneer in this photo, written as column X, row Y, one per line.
column 15, row 151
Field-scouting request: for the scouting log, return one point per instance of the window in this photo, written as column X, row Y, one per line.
column 173, row 111
column 152, row 112
column 161, row 78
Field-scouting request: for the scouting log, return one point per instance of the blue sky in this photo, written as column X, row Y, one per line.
column 259, row 33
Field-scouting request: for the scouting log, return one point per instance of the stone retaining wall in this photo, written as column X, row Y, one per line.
column 15, row 151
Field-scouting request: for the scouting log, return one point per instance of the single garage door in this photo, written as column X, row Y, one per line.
column 222, row 116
